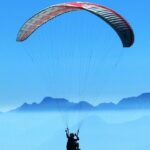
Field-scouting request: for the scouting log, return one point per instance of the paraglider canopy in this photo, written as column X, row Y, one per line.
column 117, row 22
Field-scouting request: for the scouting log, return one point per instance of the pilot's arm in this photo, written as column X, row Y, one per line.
column 67, row 133
column 77, row 137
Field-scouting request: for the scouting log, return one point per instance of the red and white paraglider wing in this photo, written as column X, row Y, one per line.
column 118, row 23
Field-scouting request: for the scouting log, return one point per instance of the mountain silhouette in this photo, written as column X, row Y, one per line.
column 55, row 104
column 60, row 104
column 140, row 102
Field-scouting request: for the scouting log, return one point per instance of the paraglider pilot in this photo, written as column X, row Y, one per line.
column 72, row 143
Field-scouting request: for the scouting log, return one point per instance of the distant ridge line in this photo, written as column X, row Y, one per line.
column 56, row 104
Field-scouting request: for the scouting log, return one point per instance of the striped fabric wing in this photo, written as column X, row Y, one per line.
column 117, row 22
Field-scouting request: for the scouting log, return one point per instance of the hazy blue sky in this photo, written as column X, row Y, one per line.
column 75, row 56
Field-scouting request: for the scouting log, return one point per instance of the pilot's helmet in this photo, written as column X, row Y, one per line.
column 71, row 135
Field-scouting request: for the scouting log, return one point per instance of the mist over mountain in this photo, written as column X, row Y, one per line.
column 60, row 104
